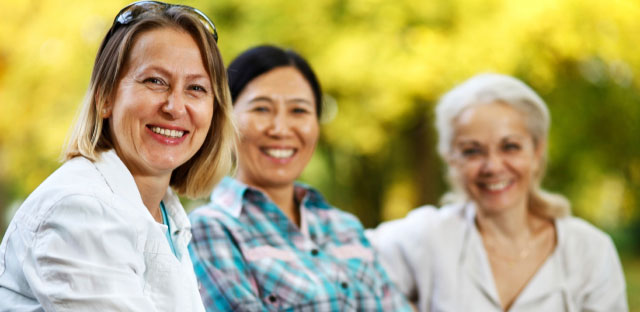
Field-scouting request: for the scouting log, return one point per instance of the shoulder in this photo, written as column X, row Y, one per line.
column 211, row 219
column 583, row 247
column 424, row 222
column 82, row 211
column 327, row 214
column 76, row 184
column 582, row 241
column 592, row 265
column 341, row 219
column 210, row 211
column 76, row 176
column 581, row 236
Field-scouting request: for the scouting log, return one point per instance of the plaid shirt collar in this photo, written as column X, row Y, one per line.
column 230, row 192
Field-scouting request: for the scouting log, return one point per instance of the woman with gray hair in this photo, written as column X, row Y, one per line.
column 500, row 242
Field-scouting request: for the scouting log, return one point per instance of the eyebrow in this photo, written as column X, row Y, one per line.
column 288, row 101
column 300, row 101
column 165, row 72
column 260, row 98
column 197, row 76
column 467, row 142
column 513, row 137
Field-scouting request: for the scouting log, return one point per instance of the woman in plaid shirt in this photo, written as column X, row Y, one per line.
column 265, row 242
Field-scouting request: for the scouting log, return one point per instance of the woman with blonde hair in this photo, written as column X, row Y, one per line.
column 106, row 231
column 501, row 242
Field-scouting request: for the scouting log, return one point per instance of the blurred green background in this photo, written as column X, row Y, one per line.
column 383, row 64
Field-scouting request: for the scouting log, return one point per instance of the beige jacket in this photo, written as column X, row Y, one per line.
column 437, row 257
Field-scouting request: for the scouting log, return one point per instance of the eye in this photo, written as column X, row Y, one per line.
column 260, row 109
column 154, row 80
column 511, row 147
column 198, row 88
column 300, row 110
column 471, row 151
column 155, row 84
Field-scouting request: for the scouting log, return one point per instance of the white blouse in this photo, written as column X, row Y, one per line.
column 84, row 241
column 437, row 257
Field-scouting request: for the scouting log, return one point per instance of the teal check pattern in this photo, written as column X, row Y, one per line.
column 248, row 256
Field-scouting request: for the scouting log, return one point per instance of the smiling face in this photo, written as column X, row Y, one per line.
column 276, row 118
column 163, row 105
column 494, row 157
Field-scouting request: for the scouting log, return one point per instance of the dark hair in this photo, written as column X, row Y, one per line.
column 261, row 59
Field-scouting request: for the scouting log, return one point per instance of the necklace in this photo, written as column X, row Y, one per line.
column 495, row 251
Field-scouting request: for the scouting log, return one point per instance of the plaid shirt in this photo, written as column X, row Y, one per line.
column 248, row 256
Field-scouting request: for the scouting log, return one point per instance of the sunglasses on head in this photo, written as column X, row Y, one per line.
column 129, row 13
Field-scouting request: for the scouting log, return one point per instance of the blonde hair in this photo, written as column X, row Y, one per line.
column 90, row 134
column 492, row 88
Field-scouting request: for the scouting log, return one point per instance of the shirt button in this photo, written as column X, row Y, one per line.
column 344, row 285
column 272, row 298
column 314, row 252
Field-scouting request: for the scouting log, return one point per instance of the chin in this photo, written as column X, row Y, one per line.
column 279, row 182
column 275, row 180
column 495, row 205
column 167, row 163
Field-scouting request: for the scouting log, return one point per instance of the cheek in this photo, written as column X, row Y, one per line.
column 121, row 124
column 203, row 116
column 248, row 131
column 310, row 131
column 461, row 176
column 526, row 166
column 466, row 172
column 249, row 127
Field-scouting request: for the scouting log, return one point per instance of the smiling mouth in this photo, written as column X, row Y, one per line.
column 169, row 133
column 279, row 153
column 496, row 186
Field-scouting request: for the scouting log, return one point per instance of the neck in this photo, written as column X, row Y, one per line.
column 283, row 197
column 512, row 224
column 152, row 190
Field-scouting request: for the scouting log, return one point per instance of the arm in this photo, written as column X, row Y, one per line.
column 392, row 257
column 226, row 283
column 404, row 252
column 388, row 241
column 606, row 289
column 394, row 300
column 84, row 258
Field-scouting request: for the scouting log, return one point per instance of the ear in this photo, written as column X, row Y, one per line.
column 449, row 158
column 540, row 148
column 106, row 110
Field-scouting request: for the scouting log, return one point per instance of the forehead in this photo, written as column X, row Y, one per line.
column 171, row 46
column 489, row 122
column 281, row 81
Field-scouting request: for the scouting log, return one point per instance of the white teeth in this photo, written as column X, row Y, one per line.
column 279, row 153
column 497, row 186
column 167, row 132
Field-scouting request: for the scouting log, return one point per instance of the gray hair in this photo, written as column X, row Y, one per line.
column 492, row 88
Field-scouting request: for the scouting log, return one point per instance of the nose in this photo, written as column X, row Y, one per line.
column 279, row 126
column 492, row 163
column 175, row 106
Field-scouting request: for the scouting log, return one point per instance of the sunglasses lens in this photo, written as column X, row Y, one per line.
column 132, row 11
column 206, row 22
